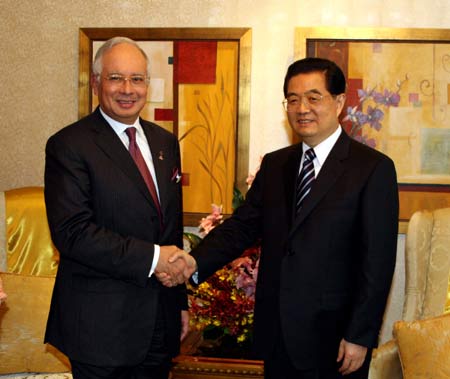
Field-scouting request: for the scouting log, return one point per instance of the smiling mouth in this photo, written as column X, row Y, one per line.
column 126, row 101
column 304, row 121
column 126, row 104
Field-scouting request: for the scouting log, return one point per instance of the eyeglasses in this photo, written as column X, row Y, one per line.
column 309, row 99
column 135, row 80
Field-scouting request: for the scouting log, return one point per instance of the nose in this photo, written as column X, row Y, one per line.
column 126, row 86
column 303, row 106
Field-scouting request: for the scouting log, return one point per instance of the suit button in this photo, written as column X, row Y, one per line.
column 290, row 252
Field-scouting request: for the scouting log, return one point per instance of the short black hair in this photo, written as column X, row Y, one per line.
column 334, row 77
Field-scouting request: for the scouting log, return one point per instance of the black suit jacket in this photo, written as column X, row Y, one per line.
column 326, row 273
column 104, row 223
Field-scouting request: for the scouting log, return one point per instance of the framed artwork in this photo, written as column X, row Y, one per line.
column 200, row 91
column 398, row 101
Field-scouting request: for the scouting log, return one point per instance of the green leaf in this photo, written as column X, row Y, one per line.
column 238, row 198
column 193, row 239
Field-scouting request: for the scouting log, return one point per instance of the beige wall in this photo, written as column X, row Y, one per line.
column 39, row 58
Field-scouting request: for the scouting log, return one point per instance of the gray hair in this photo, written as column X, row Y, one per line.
column 97, row 66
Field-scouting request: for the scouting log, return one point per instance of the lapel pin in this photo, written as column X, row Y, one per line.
column 176, row 176
column 161, row 156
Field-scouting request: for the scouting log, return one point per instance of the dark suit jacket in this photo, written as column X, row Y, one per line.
column 104, row 223
column 325, row 274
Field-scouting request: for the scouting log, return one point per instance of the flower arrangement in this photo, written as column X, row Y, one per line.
column 370, row 111
column 222, row 306
column 211, row 221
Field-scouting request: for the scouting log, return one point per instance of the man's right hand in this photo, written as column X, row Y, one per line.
column 174, row 266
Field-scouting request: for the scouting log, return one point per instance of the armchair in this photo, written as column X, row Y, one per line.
column 28, row 264
column 427, row 284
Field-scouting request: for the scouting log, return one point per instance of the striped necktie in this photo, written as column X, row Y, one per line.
column 305, row 178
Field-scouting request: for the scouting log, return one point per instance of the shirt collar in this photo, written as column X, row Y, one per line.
column 119, row 127
column 323, row 149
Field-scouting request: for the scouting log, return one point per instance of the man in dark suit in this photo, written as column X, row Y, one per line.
column 113, row 214
column 328, row 241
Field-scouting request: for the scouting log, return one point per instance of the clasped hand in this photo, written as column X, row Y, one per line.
column 174, row 266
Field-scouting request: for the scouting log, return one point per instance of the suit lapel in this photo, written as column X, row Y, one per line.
column 108, row 141
column 329, row 173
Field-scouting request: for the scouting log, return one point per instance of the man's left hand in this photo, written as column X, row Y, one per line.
column 351, row 355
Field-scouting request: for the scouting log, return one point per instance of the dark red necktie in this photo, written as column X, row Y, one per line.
column 135, row 152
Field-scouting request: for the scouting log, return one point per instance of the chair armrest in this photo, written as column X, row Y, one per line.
column 385, row 362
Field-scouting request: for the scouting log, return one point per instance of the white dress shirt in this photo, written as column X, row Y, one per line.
column 322, row 150
column 141, row 140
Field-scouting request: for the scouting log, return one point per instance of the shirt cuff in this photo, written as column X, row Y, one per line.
column 155, row 259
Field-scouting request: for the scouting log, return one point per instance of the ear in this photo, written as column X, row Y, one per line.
column 94, row 83
column 340, row 102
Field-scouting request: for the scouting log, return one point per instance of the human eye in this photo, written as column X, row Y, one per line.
column 314, row 98
column 293, row 101
column 115, row 78
column 137, row 79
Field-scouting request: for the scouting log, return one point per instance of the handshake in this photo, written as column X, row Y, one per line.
column 175, row 266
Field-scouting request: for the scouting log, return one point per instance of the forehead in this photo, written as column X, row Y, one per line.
column 311, row 81
column 124, row 58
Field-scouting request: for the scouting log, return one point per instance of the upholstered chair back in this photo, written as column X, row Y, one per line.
column 427, row 282
column 28, row 265
column 28, row 245
column 427, row 265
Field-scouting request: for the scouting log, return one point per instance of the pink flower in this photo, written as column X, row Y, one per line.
column 210, row 222
column 246, row 270
column 251, row 177
column 249, row 180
